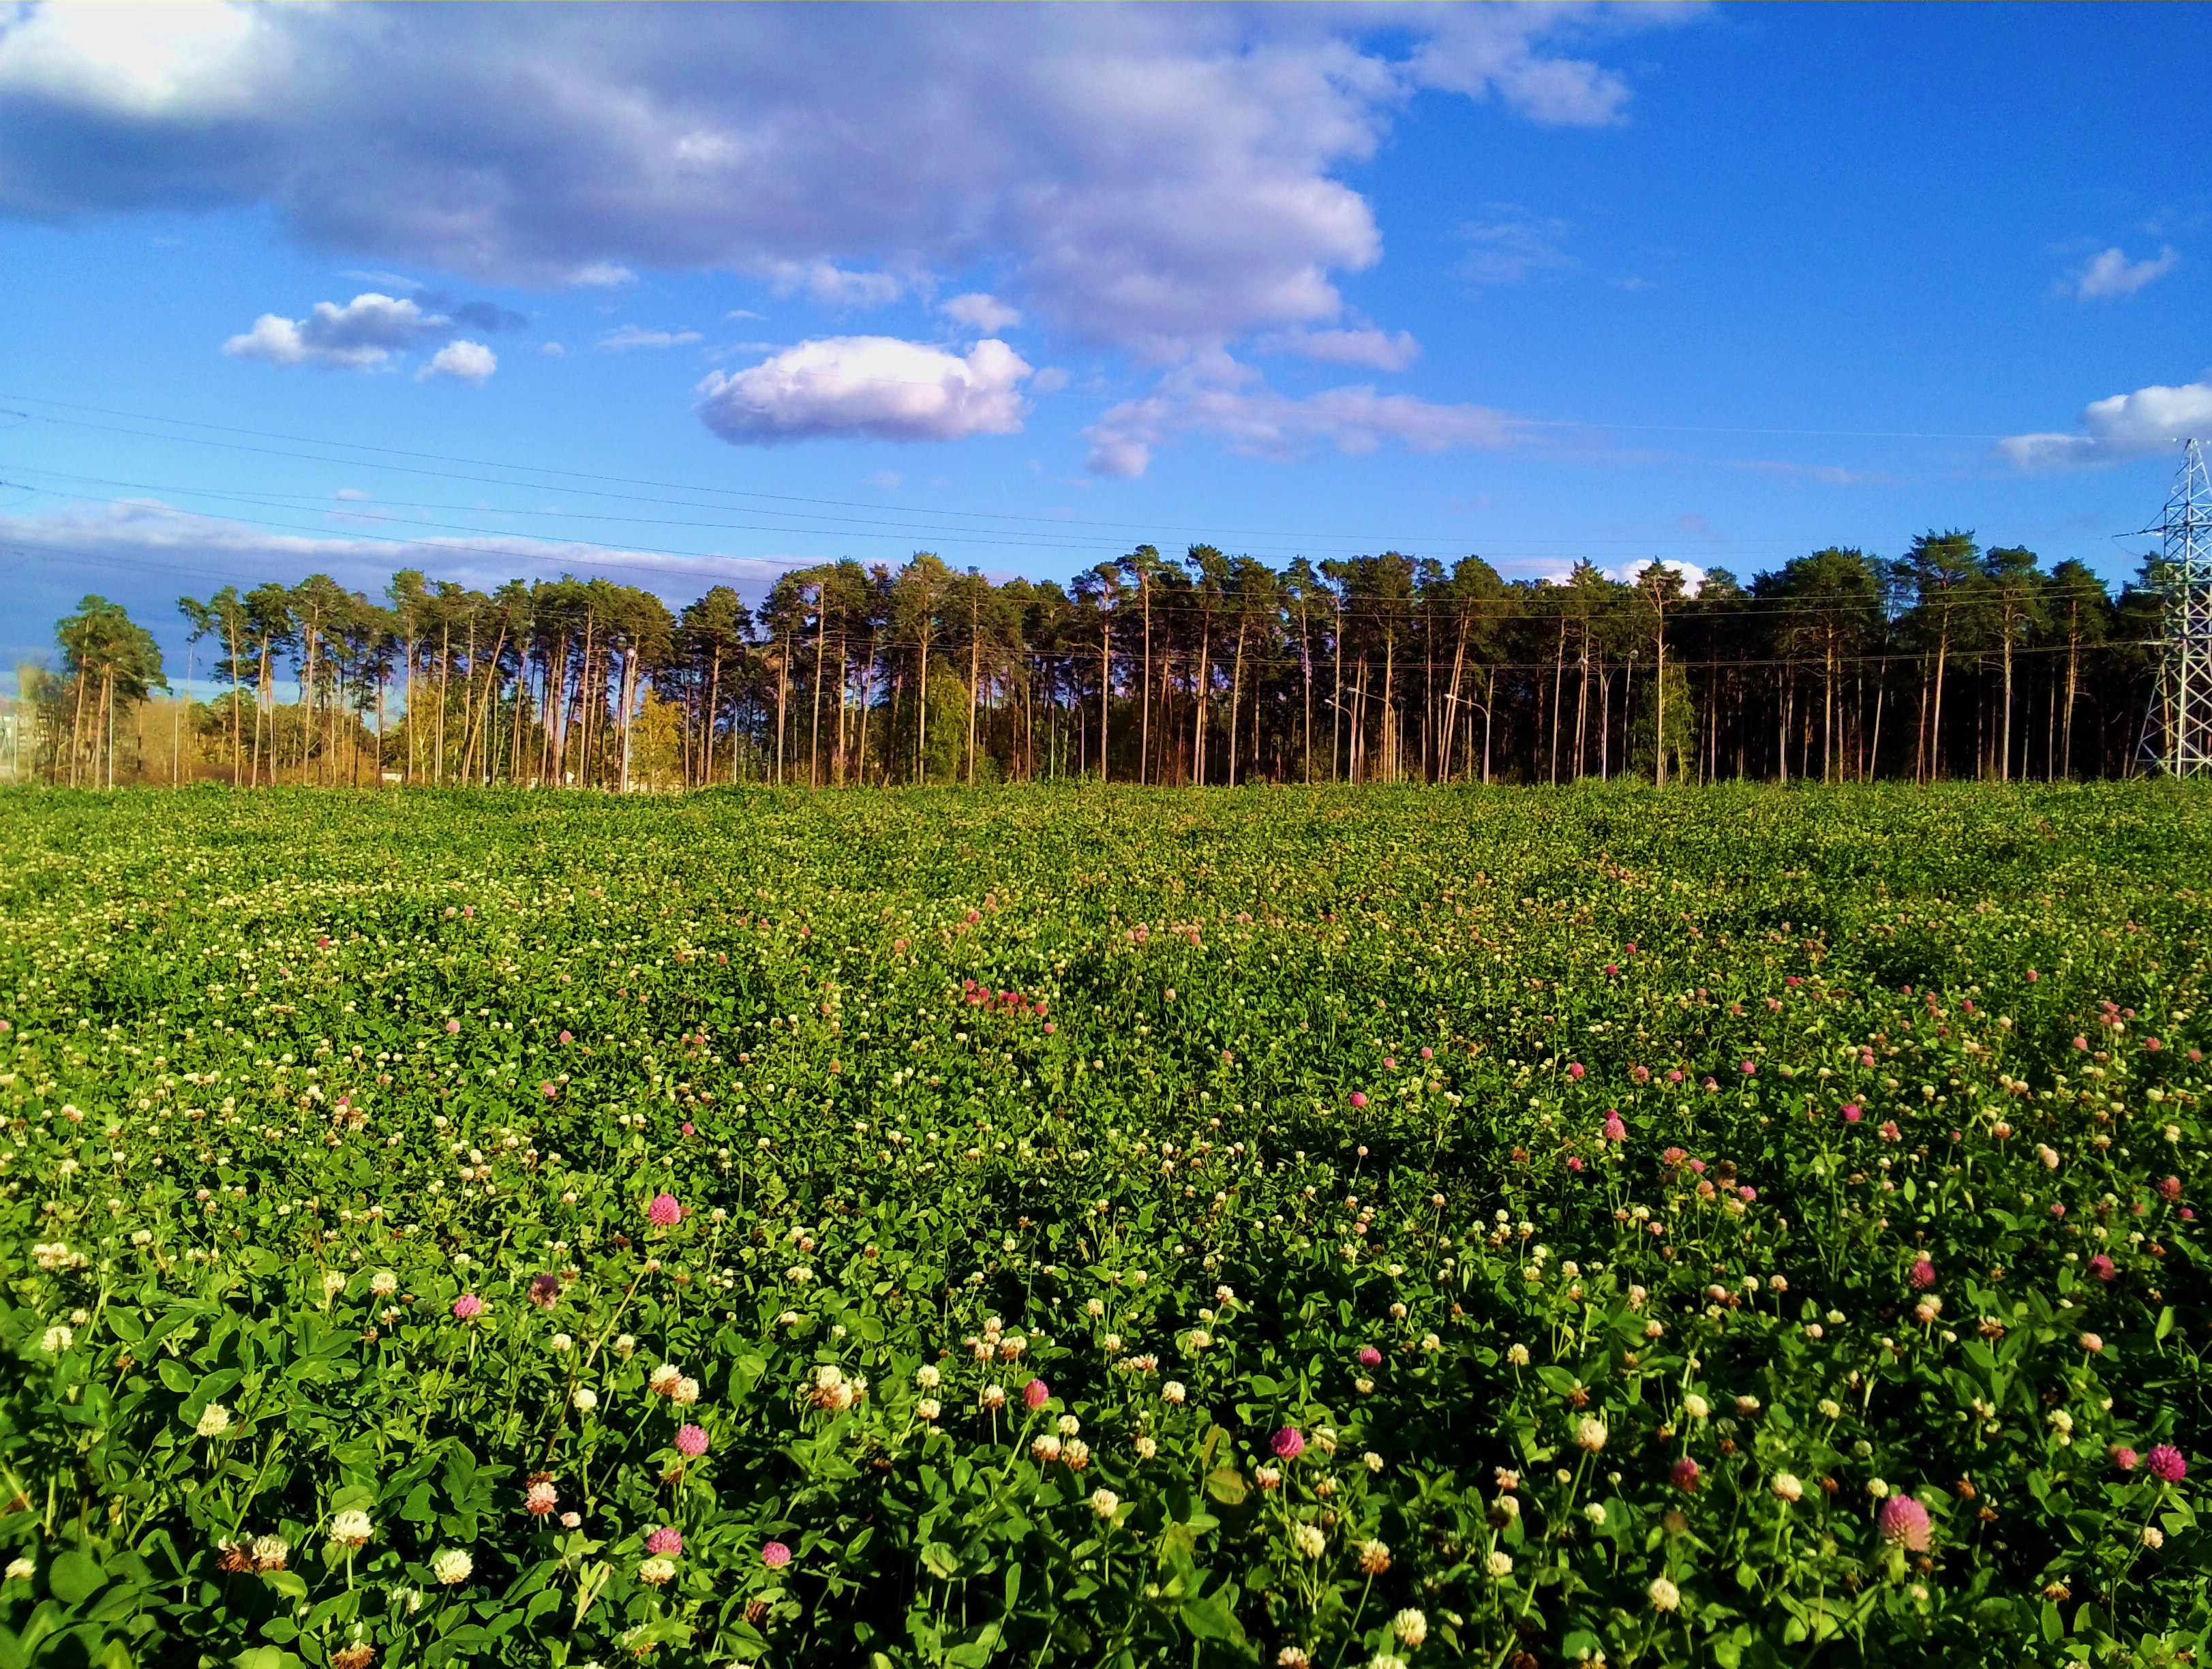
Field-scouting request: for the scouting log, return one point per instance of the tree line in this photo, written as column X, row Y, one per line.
column 1949, row 662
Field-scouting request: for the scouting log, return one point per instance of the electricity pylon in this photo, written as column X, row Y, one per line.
column 2177, row 735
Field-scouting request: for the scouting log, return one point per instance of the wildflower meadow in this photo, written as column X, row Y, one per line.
column 1073, row 1226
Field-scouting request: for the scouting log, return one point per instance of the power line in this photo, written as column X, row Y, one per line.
column 1304, row 539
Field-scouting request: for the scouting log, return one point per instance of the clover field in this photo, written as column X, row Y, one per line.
column 1058, row 1225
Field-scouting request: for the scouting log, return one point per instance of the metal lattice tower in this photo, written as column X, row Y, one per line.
column 2177, row 735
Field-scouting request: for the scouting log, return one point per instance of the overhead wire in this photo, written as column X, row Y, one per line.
column 947, row 521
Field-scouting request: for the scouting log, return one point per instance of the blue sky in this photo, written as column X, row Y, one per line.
column 1715, row 285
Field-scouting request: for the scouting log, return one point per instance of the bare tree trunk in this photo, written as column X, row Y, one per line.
column 1451, row 704
column 1105, row 686
column 1200, row 680
column 1235, row 685
column 1336, row 701
column 1390, row 740
column 1146, row 771
column 2074, row 684
column 974, row 676
column 2004, row 747
column 1559, row 689
column 814, row 724
column 782, row 705
column 1935, row 723
column 1305, row 679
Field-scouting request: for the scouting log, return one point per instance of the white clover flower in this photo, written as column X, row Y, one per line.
column 1172, row 1392
column 1147, row 1447
column 1591, row 1435
column 1105, row 1503
column 1409, row 1626
column 585, row 1398
column 384, row 1283
column 55, row 1340
column 1696, row 1406
column 20, row 1570
column 1594, row 1513
column 1517, row 1355
column 351, row 1529
column 1786, row 1487
column 1309, row 1540
column 1665, row 1596
column 214, row 1421
column 927, row 1377
column 1499, row 1564
column 452, row 1566
column 655, row 1572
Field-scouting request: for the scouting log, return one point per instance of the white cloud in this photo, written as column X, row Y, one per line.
column 1227, row 401
column 1378, row 348
column 360, row 336
column 980, row 312
column 1481, row 53
column 142, row 533
column 832, row 286
column 2139, row 425
column 464, row 361
column 876, row 386
column 1626, row 573
column 399, row 281
column 742, row 313
column 1165, row 179
column 1507, row 248
column 2113, row 274
column 631, row 336
column 552, row 350
column 887, row 480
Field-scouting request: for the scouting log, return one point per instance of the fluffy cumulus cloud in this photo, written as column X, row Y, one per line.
column 462, row 360
column 361, row 335
column 2113, row 273
column 2148, row 422
column 1229, row 402
column 366, row 332
column 875, row 386
column 1164, row 180
column 1629, row 573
